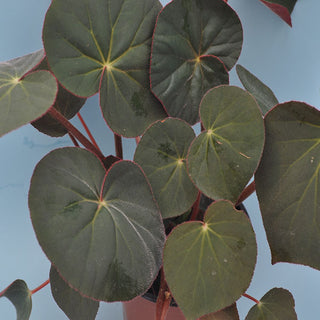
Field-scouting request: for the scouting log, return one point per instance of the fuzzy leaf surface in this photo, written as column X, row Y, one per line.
column 283, row 8
column 195, row 44
column 276, row 304
column 20, row 296
column 74, row 305
column 162, row 154
column 263, row 94
column 97, row 227
column 288, row 184
column 223, row 158
column 209, row 265
column 24, row 96
column 104, row 45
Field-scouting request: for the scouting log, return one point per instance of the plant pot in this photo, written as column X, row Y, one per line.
column 143, row 309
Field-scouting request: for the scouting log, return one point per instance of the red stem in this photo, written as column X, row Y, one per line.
column 88, row 131
column 195, row 208
column 248, row 191
column 251, row 298
column 74, row 141
column 164, row 299
column 40, row 287
column 75, row 132
column 118, row 145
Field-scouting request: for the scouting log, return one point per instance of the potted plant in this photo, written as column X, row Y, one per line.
column 168, row 221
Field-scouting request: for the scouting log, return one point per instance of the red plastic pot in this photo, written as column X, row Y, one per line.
column 143, row 309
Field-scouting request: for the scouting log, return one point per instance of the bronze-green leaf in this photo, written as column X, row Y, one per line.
column 74, row 305
column 24, row 96
column 229, row 313
column 104, row 45
column 277, row 304
column 96, row 227
column 288, row 184
column 19, row 294
column 209, row 265
column 195, row 43
column 223, row 158
column 263, row 94
column 162, row 154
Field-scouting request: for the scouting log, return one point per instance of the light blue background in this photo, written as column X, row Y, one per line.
column 286, row 59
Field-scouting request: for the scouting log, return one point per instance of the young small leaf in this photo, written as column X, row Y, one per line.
column 223, row 158
column 24, row 96
column 263, row 94
column 288, row 184
column 209, row 265
column 162, row 154
column 19, row 294
column 276, row 304
column 75, row 306
column 283, row 8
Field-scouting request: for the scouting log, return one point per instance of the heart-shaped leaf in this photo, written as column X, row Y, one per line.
column 19, row 294
column 75, row 306
column 103, row 45
column 229, row 313
column 283, row 8
column 223, row 158
column 209, row 265
column 24, row 96
column 263, row 94
column 162, row 153
column 288, row 184
column 193, row 42
column 276, row 304
column 97, row 228
column 66, row 103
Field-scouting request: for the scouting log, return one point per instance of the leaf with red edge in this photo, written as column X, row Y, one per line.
column 24, row 95
column 104, row 46
column 195, row 43
column 229, row 313
column 283, row 8
column 19, row 294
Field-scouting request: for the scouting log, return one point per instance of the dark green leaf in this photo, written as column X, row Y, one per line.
column 209, row 265
column 104, row 45
column 75, row 306
column 24, row 96
column 162, row 153
column 288, row 183
column 263, row 94
column 19, row 294
column 277, row 304
column 66, row 103
column 229, row 313
column 283, row 8
column 193, row 42
column 97, row 228
column 223, row 158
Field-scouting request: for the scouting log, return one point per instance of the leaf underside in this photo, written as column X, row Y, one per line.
column 209, row 265
column 104, row 46
column 96, row 228
column 263, row 94
column 75, row 306
column 195, row 43
column 20, row 296
column 162, row 154
column 287, row 183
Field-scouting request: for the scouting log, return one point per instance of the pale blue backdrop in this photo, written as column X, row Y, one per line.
column 286, row 59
